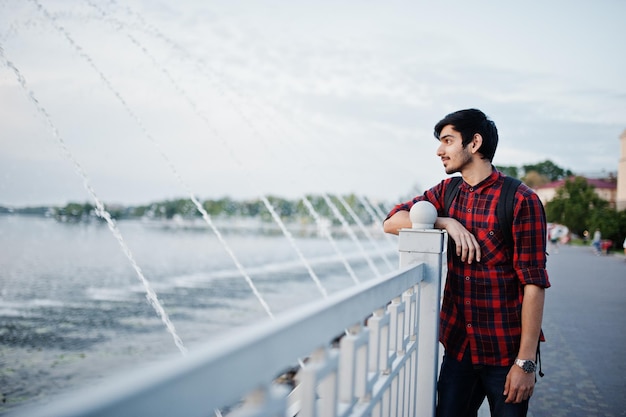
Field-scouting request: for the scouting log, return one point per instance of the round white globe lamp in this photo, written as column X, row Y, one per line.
column 423, row 215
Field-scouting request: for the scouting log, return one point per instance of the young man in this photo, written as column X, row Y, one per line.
column 494, row 294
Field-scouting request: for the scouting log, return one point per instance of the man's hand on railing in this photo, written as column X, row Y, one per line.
column 467, row 246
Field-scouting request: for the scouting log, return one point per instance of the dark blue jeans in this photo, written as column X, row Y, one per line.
column 462, row 388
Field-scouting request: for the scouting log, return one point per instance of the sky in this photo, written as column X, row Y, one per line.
column 140, row 101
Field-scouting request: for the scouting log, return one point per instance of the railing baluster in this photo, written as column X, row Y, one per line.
column 385, row 336
column 361, row 386
column 375, row 324
column 329, row 386
column 347, row 365
column 393, row 398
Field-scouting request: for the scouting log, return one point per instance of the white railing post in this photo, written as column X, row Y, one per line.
column 423, row 244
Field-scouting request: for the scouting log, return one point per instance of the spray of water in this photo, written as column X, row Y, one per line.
column 205, row 70
column 100, row 209
column 289, row 237
column 219, row 81
column 326, row 233
column 351, row 233
column 361, row 226
column 183, row 93
column 208, row 71
column 169, row 163
column 376, row 216
column 205, row 216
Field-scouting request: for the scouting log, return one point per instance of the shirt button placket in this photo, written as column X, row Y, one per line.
column 467, row 304
column 471, row 199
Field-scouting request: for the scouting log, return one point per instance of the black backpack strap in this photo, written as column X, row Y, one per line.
column 506, row 207
column 452, row 190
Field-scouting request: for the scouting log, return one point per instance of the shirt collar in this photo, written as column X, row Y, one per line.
column 486, row 183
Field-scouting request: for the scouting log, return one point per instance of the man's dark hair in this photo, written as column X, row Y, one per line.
column 468, row 123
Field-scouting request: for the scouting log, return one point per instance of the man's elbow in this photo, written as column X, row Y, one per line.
column 387, row 228
column 397, row 221
column 390, row 226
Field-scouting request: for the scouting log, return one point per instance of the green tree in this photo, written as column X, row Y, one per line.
column 117, row 212
column 74, row 212
column 171, row 207
column 283, row 207
column 138, row 211
column 319, row 205
column 574, row 204
column 548, row 169
column 534, row 179
column 189, row 209
column 509, row 171
column 250, row 208
column 607, row 220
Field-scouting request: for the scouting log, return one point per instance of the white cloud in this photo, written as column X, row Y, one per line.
column 286, row 98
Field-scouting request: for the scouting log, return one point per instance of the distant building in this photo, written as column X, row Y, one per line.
column 606, row 189
column 621, row 175
column 611, row 189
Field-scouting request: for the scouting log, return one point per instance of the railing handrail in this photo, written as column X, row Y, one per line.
column 218, row 374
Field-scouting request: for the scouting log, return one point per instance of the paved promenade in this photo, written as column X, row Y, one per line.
column 584, row 357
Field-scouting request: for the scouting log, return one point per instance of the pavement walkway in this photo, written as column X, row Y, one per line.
column 584, row 357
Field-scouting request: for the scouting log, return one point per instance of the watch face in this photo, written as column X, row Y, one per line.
column 529, row 366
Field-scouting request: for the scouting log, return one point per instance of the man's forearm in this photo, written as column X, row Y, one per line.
column 399, row 220
column 532, row 317
column 402, row 220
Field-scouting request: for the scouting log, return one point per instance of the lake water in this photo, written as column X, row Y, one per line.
column 73, row 310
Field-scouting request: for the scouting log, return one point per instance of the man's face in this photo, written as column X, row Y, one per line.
column 451, row 151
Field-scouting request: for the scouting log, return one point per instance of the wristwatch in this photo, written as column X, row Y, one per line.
column 527, row 366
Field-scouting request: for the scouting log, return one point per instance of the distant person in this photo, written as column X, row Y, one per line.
column 494, row 294
column 597, row 237
column 553, row 236
column 624, row 245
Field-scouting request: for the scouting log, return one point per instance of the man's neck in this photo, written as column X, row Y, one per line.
column 477, row 171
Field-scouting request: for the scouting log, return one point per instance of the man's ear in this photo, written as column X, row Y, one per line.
column 477, row 141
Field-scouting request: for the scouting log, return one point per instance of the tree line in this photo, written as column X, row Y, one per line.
column 226, row 207
column 575, row 205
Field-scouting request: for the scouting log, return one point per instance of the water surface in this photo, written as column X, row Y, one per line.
column 73, row 311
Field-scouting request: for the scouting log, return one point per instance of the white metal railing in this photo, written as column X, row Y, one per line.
column 371, row 350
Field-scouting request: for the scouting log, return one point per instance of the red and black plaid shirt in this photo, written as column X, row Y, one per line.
column 482, row 303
